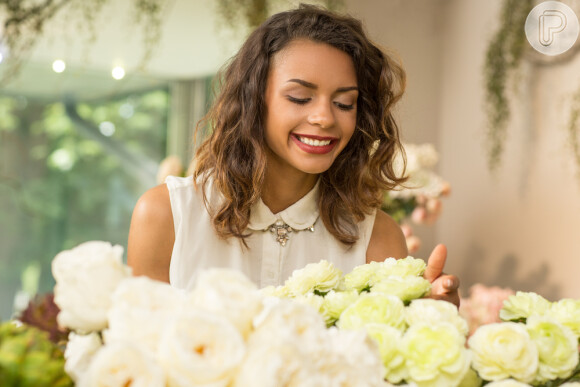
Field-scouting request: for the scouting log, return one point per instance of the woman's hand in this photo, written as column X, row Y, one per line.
column 443, row 286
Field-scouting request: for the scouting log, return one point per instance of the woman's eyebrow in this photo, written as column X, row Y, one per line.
column 313, row 86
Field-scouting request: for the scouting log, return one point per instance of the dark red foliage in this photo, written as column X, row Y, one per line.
column 41, row 312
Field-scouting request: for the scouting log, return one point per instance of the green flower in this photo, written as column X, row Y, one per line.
column 362, row 277
column 402, row 267
column 523, row 305
column 406, row 288
column 373, row 308
column 567, row 312
column 29, row 358
column 432, row 311
column 557, row 346
column 321, row 277
column 503, row 350
column 335, row 303
column 435, row 355
column 389, row 342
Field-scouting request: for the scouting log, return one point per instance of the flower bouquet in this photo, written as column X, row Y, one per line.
column 370, row 327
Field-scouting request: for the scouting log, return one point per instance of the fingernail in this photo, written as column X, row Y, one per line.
column 449, row 283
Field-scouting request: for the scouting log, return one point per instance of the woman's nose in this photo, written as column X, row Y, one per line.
column 321, row 115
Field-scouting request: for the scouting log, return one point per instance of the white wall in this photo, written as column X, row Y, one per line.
column 521, row 227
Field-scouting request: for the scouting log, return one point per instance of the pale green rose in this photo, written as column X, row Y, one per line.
column 507, row 383
column 523, row 305
column 571, row 384
column 406, row 288
column 432, row 311
column 435, row 355
column 389, row 341
column 402, row 267
column 335, row 303
column 471, row 379
column 373, row 308
column 503, row 350
column 321, row 277
column 361, row 277
column 567, row 312
column 557, row 346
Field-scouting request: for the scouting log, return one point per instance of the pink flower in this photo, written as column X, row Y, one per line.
column 413, row 244
column 483, row 305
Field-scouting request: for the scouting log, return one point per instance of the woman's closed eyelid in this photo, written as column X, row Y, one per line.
column 302, row 101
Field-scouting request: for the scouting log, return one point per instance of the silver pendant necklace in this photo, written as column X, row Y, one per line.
column 281, row 231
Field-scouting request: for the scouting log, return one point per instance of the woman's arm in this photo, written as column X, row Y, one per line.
column 151, row 235
column 387, row 240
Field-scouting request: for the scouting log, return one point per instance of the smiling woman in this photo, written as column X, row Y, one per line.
column 302, row 147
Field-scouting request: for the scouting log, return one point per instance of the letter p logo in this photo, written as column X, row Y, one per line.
column 552, row 28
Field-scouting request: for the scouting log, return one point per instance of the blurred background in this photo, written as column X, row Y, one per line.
column 94, row 98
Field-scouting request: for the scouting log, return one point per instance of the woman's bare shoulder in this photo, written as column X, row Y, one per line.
column 387, row 239
column 152, row 235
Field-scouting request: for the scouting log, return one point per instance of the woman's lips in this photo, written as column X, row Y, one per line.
column 313, row 148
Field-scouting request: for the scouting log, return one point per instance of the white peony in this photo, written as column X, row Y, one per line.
column 432, row 311
column 557, row 347
column 80, row 350
column 123, row 364
column 200, row 348
column 230, row 294
column 404, row 267
column 435, row 355
column 141, row 309
column 503, row 350
column 362, row 276
column 322, row 277
column 86, row 276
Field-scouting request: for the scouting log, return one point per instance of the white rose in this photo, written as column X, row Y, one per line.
column 404, row 267
column 346, row 358
column 141, row 309
column 362, row 276
column 503, row 350
column 86, row 276
column 321, row 277
column 200, row 348
column 80, row 350
column 311, row 299
column 230, row 294
column 557, row 346
column 277, row 362
column 432, row 311
column 122, row 364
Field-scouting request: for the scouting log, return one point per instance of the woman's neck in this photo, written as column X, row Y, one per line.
column 280, row 191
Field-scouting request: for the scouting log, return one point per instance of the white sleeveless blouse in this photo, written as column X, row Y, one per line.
column 266, row 261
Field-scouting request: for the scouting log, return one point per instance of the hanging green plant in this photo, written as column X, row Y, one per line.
column 24, row 23
column 574, row 130
column 251, row 13
column 503, row 57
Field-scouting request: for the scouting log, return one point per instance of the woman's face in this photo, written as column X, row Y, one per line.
column 311, row 102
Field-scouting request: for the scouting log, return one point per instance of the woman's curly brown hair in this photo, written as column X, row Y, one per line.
column 234, row 156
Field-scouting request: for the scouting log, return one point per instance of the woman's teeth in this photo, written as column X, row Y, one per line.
column 313, row 142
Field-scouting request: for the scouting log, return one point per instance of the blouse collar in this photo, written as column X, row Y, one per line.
column 300, row 215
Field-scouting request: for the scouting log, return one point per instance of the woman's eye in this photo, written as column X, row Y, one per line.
column 342, row 106
column 299, row 101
